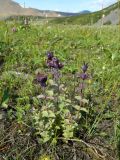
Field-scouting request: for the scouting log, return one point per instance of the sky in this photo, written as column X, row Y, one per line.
column 67, row 5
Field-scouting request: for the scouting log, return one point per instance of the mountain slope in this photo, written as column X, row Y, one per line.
column 111, row 14
column 111, row 18
column 8, row 7
column 11, row 8
column 68, row 14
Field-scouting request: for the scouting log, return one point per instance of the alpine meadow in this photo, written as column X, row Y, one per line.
column 60, row 85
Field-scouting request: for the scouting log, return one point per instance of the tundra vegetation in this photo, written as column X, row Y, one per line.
column 59, row 92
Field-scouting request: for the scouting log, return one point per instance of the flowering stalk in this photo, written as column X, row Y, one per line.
column 42, row 79
column 84, row 77
column 55, row 65
column 74, row 83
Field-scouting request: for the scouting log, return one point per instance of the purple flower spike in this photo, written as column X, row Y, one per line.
column 41, row 79
column 84, row 76
column 43, row 84
column 50, row 55
column 85, row 67
column 50, row 64
column 54, row 63
column 55, row 60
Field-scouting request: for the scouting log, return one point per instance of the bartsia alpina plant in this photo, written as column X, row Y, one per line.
column 41, row 79
column 50, row 55
column 85, row 67
column 53, row 62
column 83, row 76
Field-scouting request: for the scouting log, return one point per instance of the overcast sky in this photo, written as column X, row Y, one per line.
column 67, row 5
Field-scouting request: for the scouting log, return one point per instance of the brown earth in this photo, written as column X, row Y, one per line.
column 11, row 8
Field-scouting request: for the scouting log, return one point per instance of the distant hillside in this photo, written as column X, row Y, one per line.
column 68, row 14
column 10, row 8
column 111, row 16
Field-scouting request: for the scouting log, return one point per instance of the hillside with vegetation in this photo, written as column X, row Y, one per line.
column 10, row 8
column 92, row 18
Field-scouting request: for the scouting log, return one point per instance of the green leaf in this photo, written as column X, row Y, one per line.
column 50, row 93
column 57, row 127
column 76, row 107
column 78, row 98
column 114, row 56
column 5, row 97
column 68, row 134
column 84, row 110
column 45, row 136
column 85, row 101
column 45, row 114
column 52, row 83
column 78, row 115
column 54, row 141
column 68, row 101
column 4, row 105
column 51, row 114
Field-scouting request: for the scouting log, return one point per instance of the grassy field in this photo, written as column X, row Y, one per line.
column 66, row 110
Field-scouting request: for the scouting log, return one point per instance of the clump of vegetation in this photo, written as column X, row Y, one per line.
column 63, row 104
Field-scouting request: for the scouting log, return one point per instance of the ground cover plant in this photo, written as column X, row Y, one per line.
column 59, row 92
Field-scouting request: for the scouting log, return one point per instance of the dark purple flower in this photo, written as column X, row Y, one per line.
column 50, row 55
column 85, row 67
column 50, row 63
column 84, row 76
column 41, row 79
column 54, row 63
column 55, row 60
